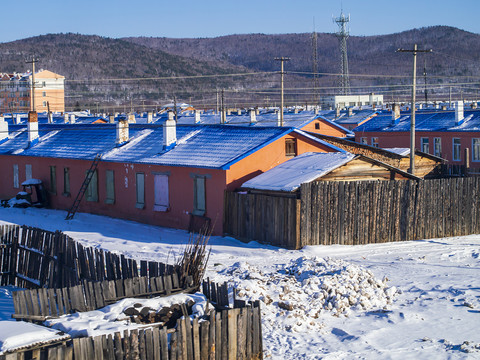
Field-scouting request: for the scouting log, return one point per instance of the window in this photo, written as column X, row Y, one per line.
column 456, row 149
column 110, row 186
column 475, row 149
column 66, row 181
column 199, row 207
column 53, row 180
column 425, row 145
column 161, row 192
column 140, row 189
column 16, row 183
column 290, row 147
column 44, row 83
column 44, row 103
column 437, row 146
column 375, row 141
column 364, row 140
column 28, row 172
column 317, row 126
column 44, row 94
column 92, row 189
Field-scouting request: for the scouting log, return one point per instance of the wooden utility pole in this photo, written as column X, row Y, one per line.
column 282, row 60
column 33, row 61
column 412, row 120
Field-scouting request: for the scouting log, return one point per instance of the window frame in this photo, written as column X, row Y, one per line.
column 66, row 181
column 158, row 206
column 199, row 198
column 291, row 147
column 375, row 141
column 437, row 146
column 140, row 190
column 455, row 145
column 53, row 180
column 91, row 193
column 475, row 150
column 425, row 143
column 109, row 186
column 28, row 172
column 16, row 178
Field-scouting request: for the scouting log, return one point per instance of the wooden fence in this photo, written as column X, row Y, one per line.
column 229, row 333
column 40, row 304
column 31, row 257
column 354, row 213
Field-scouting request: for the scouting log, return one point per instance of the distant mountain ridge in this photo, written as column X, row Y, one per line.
column 89, row 58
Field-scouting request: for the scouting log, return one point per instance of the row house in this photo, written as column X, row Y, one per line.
column 164, row 174
column 451, row 135
column 16, row 92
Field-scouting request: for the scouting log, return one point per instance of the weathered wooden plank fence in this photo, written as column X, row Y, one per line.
column 31, row 258
column 354, row 213
column 230, row 333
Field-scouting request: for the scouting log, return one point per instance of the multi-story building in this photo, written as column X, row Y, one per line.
column 16, row 92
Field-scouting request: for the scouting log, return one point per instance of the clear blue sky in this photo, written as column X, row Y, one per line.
column 209, row 18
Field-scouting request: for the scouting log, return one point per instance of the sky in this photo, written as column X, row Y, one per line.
column 211, row 18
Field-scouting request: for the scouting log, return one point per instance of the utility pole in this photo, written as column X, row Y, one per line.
column 33, row 61
column 449, row 97
column 282, row 60
column 425, row 80
column 412, row 121
column 216, row 106
column 175, row 107
column 222, row 109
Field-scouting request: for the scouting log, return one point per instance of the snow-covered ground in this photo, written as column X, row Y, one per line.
column 409, row 300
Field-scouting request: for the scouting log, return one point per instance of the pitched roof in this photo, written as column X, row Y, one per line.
column 209, row 146
column 434, row 120
column 304, row 168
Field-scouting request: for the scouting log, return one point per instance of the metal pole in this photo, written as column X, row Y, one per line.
column 412, row 122
column 282, row 104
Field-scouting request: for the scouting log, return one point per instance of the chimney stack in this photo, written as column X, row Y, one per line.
column 395, row 113
column 350, row 111
column 3, row 130
column 111, row 119
column 18, row 119
column 149, row 117
column 72, row 118
column 223, row 116
column 169, row 132
column 197, row 117
column 122, row 132
column 131, row 119
column 65, row 118
column 444, row 107
column 458, row 113
column 474, row 105
column 253, row 117
column 279, row 118
column 337, row 112
column 32, row 127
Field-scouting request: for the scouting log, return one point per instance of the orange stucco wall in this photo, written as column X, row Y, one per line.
column 325, row 128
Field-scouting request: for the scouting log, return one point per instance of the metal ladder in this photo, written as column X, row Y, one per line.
column 83, row 188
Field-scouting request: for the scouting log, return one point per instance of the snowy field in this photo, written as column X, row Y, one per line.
column 410, row 300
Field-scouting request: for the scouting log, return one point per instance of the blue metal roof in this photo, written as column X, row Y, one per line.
column 424, row 121
column 209, row 146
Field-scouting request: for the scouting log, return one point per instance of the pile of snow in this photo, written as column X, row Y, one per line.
column 305, row 288
column 20, row 334
column 112, row 318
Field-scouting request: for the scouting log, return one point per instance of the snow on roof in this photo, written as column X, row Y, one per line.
column 15, row 335
column 428, row 120
column 399, row 151
column 301, row 169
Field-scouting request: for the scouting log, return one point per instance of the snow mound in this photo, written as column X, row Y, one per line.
column 306, row 288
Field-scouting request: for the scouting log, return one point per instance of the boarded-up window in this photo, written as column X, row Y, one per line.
column 375, row 141
column 199, row 203
column 110, row 187
column 28, row 172
column 290, row 147
column 456, row 149
column 53, row 180
column 66, row 181
column 364, row 140
column 140, row 189
column 161, row 192
column 16, row 182
column 92, row 189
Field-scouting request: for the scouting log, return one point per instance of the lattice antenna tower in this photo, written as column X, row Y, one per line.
column 342, row 35
column 316, row 95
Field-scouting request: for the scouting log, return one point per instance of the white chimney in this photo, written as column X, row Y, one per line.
column 32, row 127
column 295, row 111
column 65, row 118
column 458, row 112
column 18, row 119
column 229, row 112
column 122, row 132
column 239, row 111
column 169, row 132
column 3, row 130
column 149, row 117
column 111, row 119
column 257, row 111
column 197, row 117
column 337, row 112
column 350, row 111
column 72, row 118
column 279, row 118
column 473, row 105
column 131, row 119
column 316, row 110
column 395, row 113
column 253, row 116
column 223, row 117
